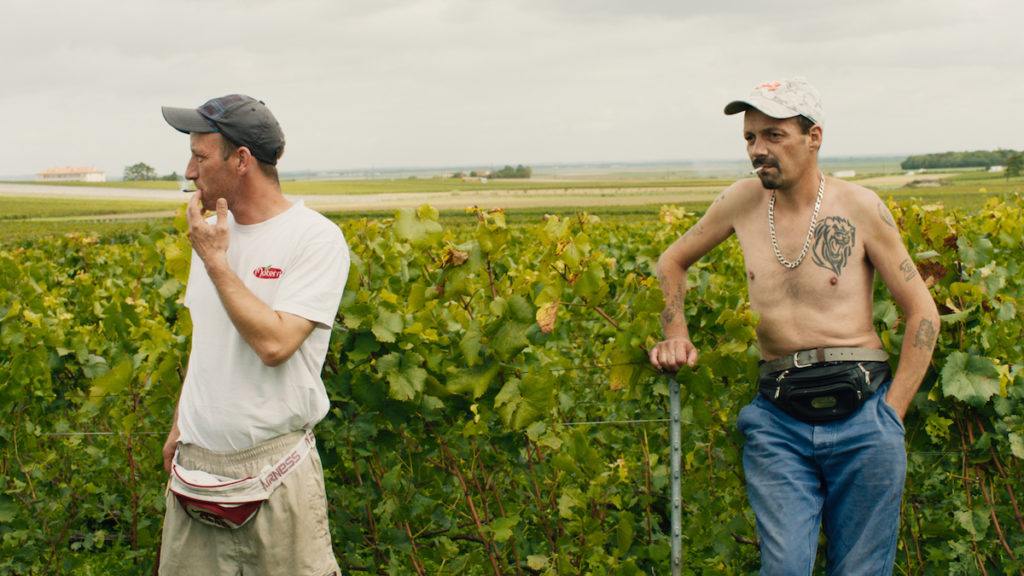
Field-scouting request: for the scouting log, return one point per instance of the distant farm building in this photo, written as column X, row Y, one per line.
column 71, row 174
column 997, row 168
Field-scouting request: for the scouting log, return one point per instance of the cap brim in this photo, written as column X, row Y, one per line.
column 187, row 120
column 735, row 107
column 769, row 107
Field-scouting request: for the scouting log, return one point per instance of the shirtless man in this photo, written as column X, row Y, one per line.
column 824, row 437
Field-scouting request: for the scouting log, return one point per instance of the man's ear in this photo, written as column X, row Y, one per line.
column 245, row 160
column 816, row 134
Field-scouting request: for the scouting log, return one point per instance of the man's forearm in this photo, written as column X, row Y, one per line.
column 673, row 315
column 171, row 444
column 915, row 357
column 676, row 349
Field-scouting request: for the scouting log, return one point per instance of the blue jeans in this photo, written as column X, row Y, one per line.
column 845, row 477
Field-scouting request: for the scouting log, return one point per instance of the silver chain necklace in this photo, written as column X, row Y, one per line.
column 810, row 231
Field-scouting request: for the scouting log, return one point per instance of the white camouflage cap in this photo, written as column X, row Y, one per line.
column 783, row 99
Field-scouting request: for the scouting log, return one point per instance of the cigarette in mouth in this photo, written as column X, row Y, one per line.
column 188, row 190
column 757, row 170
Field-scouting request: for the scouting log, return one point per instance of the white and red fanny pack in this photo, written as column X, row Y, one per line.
column 229, row 502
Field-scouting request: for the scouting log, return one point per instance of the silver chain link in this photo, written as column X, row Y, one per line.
column 810, row 231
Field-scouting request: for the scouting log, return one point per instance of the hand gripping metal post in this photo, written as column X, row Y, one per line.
column 676, row 462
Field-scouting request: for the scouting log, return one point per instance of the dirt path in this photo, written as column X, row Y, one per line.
column 899, row 181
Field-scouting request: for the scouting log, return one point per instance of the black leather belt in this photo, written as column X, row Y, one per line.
column 806, row 358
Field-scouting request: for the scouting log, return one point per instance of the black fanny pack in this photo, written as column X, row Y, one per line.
column 823, row 393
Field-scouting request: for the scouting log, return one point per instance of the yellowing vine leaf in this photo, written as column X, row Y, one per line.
column 546, row 317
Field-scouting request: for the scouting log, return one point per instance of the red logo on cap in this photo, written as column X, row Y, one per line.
column 267, row 272
column 771, row 86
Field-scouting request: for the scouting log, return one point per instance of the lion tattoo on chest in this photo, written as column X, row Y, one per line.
column 834, row 239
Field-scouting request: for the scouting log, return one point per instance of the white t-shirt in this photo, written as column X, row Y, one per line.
column 296, row 262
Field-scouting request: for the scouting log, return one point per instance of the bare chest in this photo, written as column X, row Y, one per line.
column 798, row 264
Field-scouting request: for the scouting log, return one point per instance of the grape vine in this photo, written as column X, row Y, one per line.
column 493, row 412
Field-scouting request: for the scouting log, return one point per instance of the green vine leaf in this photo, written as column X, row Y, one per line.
column 112, row 382
column 504, row 528
column 387, row 325
column 969, row 378
column 418, row 227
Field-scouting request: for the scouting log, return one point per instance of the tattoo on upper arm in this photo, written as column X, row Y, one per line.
column 886, row 216
column 925, row 336
column 909, row 270
column 834, row 238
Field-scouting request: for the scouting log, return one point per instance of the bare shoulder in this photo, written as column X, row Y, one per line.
column 877, row 228
column 746, row 187
column 863, row 204
column 740, row 196
column 722, row 218
column 853, row 193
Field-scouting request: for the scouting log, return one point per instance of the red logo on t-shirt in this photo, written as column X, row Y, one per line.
column 267, row 272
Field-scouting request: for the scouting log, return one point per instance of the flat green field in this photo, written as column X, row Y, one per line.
column 41, row 208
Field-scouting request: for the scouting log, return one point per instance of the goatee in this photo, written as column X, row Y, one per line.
column 769, row 183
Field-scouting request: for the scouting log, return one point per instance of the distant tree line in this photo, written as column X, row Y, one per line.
column 976, row 158
column 519, row 171
column 143, row 171
column 508, row 171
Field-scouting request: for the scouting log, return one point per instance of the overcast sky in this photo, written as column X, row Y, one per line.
column 476, row 83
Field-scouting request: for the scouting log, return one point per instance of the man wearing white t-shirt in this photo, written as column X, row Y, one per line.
column 247, row 491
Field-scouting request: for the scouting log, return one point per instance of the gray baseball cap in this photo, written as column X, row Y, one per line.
column 242, row 119
column 783, row 99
